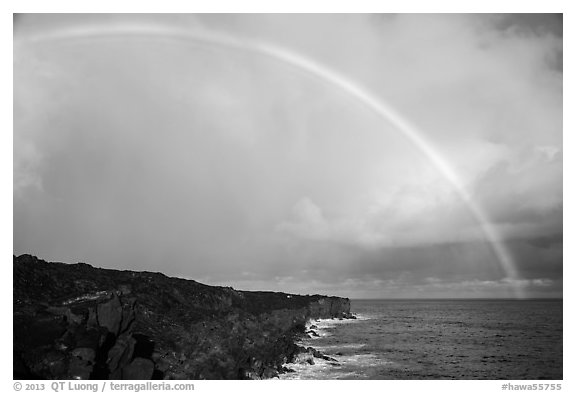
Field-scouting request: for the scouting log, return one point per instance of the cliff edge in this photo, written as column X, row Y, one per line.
column 74, row 321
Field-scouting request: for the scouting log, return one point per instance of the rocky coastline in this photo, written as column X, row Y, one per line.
column 75, row 321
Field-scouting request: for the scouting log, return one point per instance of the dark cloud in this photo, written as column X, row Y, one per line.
column 532, row 23
column 547, row 241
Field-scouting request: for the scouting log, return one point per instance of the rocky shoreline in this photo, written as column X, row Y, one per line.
column 74, row 321
column 306, row 355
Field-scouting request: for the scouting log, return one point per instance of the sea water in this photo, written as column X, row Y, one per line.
column 440, row 339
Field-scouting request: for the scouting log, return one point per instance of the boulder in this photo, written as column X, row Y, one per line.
column 139, row 368
column 110, row 315
column 128, row 316
column 81, row 363
column 121, row 353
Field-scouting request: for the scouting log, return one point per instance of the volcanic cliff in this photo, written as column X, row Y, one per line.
column 74, row 321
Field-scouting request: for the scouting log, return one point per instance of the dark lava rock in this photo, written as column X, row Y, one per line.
column 76, row 321
column 269, row 373
column 81, row 363
column 120, row 354
column 139, row 368
column 110, row 315
column 314, row 352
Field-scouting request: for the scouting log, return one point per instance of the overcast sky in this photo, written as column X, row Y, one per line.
column 230, row 167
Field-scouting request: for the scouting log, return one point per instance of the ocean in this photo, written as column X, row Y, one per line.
column 440, row 339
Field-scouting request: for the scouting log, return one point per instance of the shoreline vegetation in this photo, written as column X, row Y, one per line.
column 75, row 321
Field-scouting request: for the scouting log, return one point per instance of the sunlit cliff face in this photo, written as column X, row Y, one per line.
column 225, row 163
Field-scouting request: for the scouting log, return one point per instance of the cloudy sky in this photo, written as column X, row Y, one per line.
column 238, row 150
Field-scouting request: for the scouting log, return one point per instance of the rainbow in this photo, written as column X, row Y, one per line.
column 324, row 74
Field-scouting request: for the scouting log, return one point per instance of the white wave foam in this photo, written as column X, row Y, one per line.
column 336, row 347
column 346, row 367
column 321, row 369
column 332, row 323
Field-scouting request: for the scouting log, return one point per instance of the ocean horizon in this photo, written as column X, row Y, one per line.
column 440, row 339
